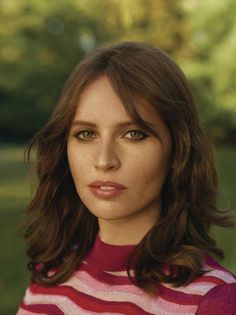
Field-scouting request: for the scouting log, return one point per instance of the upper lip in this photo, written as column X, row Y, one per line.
column 99, row 183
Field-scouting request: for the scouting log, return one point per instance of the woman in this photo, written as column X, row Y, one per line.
column 126, row 195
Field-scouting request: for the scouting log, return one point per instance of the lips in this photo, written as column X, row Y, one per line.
column 112, row 190
column 100, row 183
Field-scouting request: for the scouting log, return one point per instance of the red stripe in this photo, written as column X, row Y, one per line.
column 88, row 302
column 209, row 279
column 177, row 297
column 167, row 294
column 49, row 309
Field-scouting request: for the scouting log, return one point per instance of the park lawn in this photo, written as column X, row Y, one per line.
column 15, row 193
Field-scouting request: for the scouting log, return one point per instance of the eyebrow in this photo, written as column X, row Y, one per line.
column 121, row 124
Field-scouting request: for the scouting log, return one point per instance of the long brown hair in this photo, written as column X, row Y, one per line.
column 60, row 229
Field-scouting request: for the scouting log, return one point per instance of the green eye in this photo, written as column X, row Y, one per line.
column 83, row 132
column 143, row 135
column 86, row 134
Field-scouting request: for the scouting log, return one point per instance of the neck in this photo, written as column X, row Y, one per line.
column 128, row 230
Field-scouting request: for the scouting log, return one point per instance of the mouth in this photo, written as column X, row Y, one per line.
column 106, row 192
column 109, row 184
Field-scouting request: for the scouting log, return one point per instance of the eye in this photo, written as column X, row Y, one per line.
column 85, row 134
column 82, row 132
column 133, row 132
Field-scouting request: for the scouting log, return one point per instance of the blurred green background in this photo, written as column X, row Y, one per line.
column 41, row 42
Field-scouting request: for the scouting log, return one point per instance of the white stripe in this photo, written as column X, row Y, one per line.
column 220, row 274
column 200, row 288
column 62, row 302
column 21, row 311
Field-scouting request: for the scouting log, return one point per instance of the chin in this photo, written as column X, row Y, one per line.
column 108, row 214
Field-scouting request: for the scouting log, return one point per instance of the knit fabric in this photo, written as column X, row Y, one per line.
column 100, row 285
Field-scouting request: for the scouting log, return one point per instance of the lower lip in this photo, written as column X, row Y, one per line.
column 105, row 194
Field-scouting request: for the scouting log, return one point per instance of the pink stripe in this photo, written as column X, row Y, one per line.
column 100, row 305
column 90, row 303
column 63, row 302
column 105, row 277
column 201, row 284
column 85, row 277
column 83, row 282
column 215, row 265
column 166, row 293
column 193, row 288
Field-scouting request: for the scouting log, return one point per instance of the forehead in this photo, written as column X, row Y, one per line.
column 99, row 103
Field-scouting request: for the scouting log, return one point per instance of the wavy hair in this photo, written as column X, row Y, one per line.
column 60, row 230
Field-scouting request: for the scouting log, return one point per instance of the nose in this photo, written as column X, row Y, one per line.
column 106, row 156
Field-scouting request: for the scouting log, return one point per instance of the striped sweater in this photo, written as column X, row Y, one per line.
column 100, row 285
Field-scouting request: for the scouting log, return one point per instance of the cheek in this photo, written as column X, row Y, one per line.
column 75, row 161
column 149, row 173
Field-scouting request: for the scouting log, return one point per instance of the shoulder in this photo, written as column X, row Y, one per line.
column 219, row 300
column 219, row 290
column 215, row 273
column 211, row 293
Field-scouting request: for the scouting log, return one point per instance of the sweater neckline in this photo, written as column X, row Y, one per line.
column 108, row 257
column 104, row 257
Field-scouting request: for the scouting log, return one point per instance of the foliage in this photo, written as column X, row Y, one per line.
column 212, row 70
column 41, row 42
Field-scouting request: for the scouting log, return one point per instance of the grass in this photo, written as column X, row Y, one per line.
column 15, row 194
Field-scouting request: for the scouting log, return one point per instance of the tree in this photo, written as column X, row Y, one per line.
column 41, row 42
column 212, row 69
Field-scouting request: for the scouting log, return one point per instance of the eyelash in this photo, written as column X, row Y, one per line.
column 76, row 135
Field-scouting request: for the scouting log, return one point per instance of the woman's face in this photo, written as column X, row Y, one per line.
column 123, row 154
